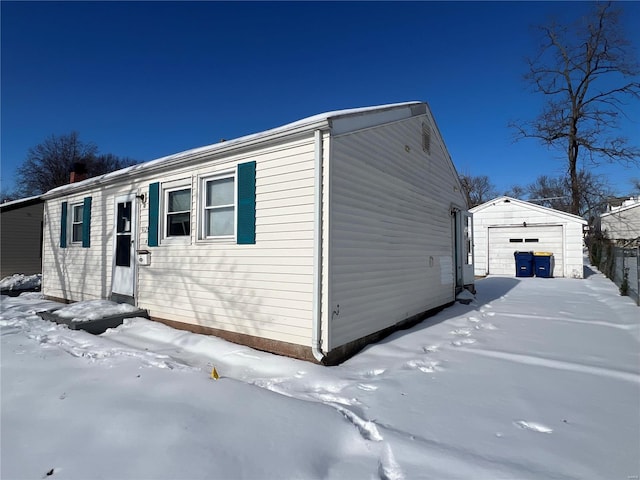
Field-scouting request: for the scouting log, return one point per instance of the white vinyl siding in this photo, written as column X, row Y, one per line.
column 391, row 240
column 80, row 273
column 263, row 290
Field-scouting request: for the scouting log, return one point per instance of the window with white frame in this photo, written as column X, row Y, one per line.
column 77, row 212
column 177, row 217
column 218, row 206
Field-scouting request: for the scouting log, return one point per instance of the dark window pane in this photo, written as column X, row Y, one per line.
column 123, row 250
column 531, row 240
column 77, row 213
column 178, row 224
column 77, row 232
column 515, row 240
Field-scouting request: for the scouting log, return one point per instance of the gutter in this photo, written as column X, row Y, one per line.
column 316, row 339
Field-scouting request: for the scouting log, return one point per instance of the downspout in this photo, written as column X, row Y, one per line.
column 316, row 340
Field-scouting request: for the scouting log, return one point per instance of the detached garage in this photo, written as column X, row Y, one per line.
column 505, row 225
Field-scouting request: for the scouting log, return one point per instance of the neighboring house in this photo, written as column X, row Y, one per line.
column 505, row 225
column 622, row 223
column 307, row 240
column 21, row 236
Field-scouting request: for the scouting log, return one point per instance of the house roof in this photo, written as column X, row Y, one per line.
column 338, row 121
column 21, row 202
column 622, row 208
column 532, row 206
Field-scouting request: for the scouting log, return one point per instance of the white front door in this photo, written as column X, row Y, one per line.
column 463, row 248
column 468, row 275
column 124, row 247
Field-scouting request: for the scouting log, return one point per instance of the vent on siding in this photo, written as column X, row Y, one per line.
column 426, row 138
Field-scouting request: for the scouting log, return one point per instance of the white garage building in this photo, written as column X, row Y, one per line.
column 505, row 225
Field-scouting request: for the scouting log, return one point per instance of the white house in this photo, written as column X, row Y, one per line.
column 622, row 223
column 505, row 225
column 309, row 240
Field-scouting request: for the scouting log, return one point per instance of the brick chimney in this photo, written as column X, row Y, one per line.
column 78, row 172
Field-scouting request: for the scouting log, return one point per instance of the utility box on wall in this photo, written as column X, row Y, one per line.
column 144, row 257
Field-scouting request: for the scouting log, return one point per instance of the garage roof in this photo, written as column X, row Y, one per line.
column 549, row 211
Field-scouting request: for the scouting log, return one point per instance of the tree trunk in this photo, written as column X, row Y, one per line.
column 573, row 175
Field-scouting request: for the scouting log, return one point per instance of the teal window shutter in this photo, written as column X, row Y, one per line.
column 154, row 214
column 86, row 223
column 63, row 226
column 246, row 203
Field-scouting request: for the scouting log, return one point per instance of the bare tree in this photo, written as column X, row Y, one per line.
column 555, row 192
column 48, row 164
column 586, row 72
column 6, row 196
column 477, row 189
column 516, row 191
column 550, row 192
column 108, row 162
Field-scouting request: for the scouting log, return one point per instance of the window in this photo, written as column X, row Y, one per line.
column 515, row 240
column 531, row 240
column 177, row 212
column 77, row 223
column 77, row 214
column 219, row 207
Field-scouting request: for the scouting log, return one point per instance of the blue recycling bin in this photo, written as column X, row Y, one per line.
column 524, row 264
column 543, row 264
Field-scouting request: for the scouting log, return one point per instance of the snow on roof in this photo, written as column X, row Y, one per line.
column 626, row 205
column 303, row 124
column 505, row 199
column 19, row 201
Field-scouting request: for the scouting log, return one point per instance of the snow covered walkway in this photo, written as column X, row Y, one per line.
column 536, row 378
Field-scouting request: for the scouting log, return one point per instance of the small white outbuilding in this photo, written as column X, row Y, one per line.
column 622, row 223
column 505, row 225
column 310, row 240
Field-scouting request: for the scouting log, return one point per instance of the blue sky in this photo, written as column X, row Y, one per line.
column 145, row 80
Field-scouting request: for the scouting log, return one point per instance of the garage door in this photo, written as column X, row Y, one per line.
column 503, row 241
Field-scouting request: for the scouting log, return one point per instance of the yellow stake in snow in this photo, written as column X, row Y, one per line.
column 214, row 374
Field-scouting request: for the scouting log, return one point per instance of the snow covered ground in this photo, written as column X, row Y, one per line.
column 536, row 378
column 20, row 281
